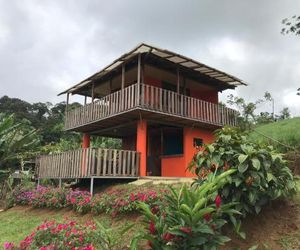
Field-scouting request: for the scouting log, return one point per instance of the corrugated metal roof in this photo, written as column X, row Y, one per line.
column 167, row 55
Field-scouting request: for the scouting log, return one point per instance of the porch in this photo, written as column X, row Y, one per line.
column 89, row 163
column 149, row 100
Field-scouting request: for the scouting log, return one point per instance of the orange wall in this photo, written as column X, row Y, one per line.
column 173, row 166
column 141, row 145
column 176, row 166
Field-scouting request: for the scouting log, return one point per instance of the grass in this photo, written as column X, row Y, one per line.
column 285, row 131
column 18, row 222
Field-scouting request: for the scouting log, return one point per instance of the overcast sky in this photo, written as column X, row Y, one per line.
column 47, row 46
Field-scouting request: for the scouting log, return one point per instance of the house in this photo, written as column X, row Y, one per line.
column 162, row 105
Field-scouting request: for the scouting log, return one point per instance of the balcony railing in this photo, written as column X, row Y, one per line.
column 90, row 162
column 154, row 99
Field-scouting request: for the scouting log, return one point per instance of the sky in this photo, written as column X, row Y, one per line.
column 47, row 46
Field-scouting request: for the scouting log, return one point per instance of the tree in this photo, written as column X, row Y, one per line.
column 292, row 25
column 247, row 116
column 15, row 139
column 284, row 114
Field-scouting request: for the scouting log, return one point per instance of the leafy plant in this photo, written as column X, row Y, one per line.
column 262, row 174
column 14, row 139
column 188, row 219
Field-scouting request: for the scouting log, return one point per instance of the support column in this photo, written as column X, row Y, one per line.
column 85, row 144
column 141, row 145
column 86, row 141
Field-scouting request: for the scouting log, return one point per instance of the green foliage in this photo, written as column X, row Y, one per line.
column 108, row 238
column 188, row 219
column 262, row 174
column 285, row 131
column 15, row 139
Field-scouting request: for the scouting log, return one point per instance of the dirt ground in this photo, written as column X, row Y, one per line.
column 276, row 227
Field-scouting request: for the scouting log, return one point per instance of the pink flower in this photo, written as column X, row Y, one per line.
column 218, row 201
column 152, row 228
column 186, row 230
column 8, row 245
column 132, row 197
column 168, row 236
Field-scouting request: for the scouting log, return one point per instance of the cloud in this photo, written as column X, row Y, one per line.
column 47, row 46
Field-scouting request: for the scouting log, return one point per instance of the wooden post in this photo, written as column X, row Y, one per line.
column 178, row 81
column 138, row 78
column 92, row 186
column 123, row 76
column 67, row 106
column 139, row 69
column 93, row 94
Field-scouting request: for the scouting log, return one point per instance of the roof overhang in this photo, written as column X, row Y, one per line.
column 183, row 61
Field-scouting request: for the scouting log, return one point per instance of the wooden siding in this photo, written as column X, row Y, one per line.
column 154, row 99
column 90, row 162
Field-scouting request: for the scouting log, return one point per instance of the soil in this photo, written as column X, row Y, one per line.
column 280, row 219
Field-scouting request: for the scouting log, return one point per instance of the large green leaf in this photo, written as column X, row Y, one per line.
column 255, row 163
column 242, row 158
column 243, row 167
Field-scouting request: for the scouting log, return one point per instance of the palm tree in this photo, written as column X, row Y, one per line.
column 14, row 139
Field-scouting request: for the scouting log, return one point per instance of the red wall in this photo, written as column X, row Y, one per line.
column 176, row 166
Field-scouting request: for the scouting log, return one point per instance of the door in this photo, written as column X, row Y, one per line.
column 154, row 153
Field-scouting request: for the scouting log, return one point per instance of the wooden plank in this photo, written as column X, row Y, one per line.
column 115, row 152
column 104, row 152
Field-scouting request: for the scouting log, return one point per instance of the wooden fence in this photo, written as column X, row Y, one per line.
column 151, row 98
column 84, row 163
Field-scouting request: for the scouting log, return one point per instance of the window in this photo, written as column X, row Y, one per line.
column 173, row 141
column 198, row 142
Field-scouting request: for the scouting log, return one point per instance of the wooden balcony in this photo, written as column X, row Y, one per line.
column 153, row 99
column 90, row 162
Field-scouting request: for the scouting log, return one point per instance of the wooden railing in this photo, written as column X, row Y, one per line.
column 150, row 98
column 83, row 163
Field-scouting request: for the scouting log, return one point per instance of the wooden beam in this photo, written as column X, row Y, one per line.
column 68, row 99
column 123, row 76
column 93, row 91
column 139, row 69
column 178, row 80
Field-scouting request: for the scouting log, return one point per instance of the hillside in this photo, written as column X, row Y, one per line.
column 286, row 131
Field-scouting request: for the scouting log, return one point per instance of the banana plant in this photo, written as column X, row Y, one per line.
column 14, row 139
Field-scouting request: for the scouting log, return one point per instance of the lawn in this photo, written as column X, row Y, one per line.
column 18, row 222
column 285, row 131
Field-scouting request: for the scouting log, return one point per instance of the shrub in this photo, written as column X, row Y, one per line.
column 262, row 173
column 79, row 200
column 189, row 219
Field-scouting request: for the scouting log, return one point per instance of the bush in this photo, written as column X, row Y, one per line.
column 113, row 202
column 262, row 174
column 188, row 219
column 79, row 200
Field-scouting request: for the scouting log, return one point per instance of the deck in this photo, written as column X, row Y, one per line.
column 87, row 163
column 156, row 100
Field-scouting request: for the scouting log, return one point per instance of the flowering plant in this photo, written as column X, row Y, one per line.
column 79, row 200
column 52, row 235
column 190, row 218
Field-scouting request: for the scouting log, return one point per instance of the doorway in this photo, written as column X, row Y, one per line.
column 154, row 151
